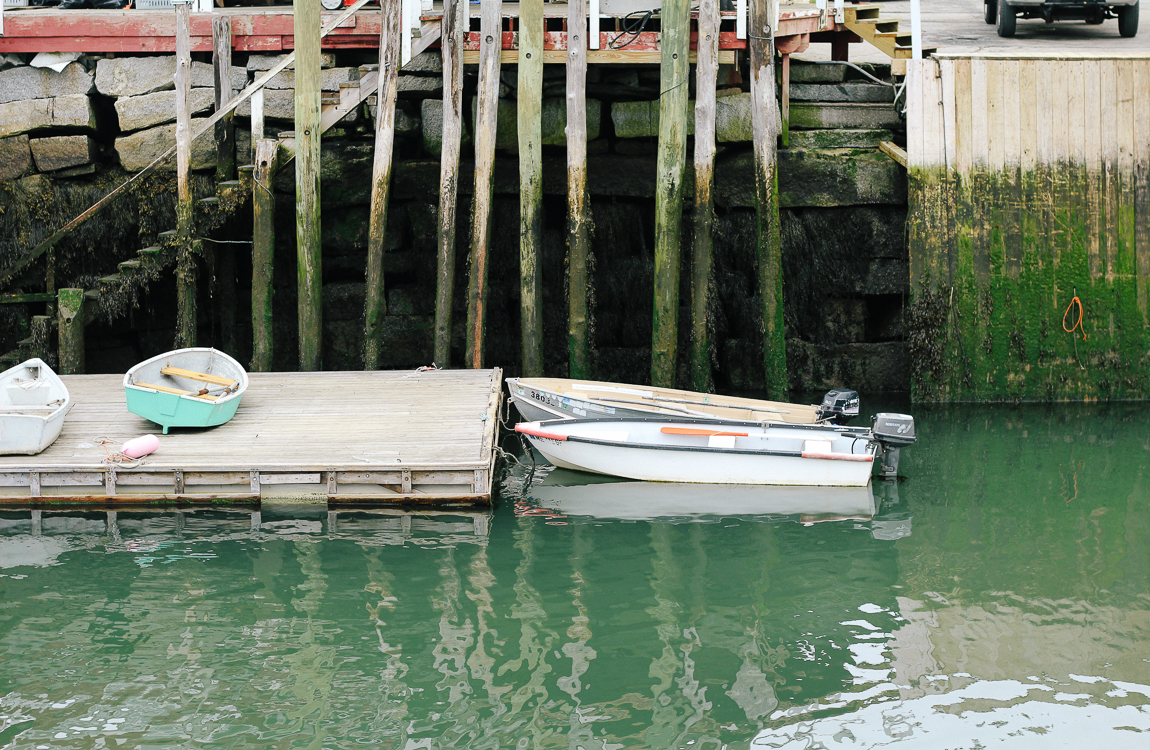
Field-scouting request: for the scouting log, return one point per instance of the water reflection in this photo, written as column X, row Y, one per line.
column 1001, row 592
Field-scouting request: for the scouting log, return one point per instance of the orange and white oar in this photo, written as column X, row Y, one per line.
column 699, row 431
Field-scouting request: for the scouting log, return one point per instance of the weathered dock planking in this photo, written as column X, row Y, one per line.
column 361, row 438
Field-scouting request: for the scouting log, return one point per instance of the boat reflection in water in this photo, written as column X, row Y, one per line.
column 572, row 496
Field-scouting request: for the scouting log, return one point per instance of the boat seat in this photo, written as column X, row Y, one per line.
column 179, row 372
column 176, row 391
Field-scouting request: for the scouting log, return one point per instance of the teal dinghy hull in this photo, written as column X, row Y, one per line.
column 197, row 387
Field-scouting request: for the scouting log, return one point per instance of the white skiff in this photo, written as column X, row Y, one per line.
column 560, row 398
column 33, row 404
column 704, row 451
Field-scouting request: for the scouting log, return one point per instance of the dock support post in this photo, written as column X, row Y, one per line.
column 309, row 255
column 706, row 81
column 529, row 93
column 486, row 119
column 388, row 88
column 765, row 128
column 673, row 74
column 70, row 309
column 578, row 218
column 455, row 25
column 257, row 118
column 263, row 252
column 222, row 70
column 185, row 211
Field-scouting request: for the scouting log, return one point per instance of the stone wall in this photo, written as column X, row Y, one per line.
column 843, row 211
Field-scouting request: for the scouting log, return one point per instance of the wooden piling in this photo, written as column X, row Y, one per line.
column 222, row 75
column 529, row 94
column 486, row 118
column 263, row 252
column 578, row 212
column 70, row 312
column 765, row 129
column 706, row 81
column 386, row 91
column 673, row 74
column 185, row 212
column 309, row 256
column 257, row 118
column 454, row 28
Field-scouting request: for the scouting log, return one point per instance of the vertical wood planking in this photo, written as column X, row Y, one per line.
column 529, row 96
column 487, row 111
column 455, row 24
column 578, row 211
column 979, row 132
column 1107, row 180
column 309, row 256
column 1125, row 201
column 387, row 88
column 1142, row 186
column 263, row 252
column 1095, row 116
column 979, row 171
column 915, row 146
column 185, row 213
column 674, row 71
column 257, row 119
column 962, row 118
column 706, row 80
column 222, row 78
column 1010, row 195
column 764, row 125
column 1030, row 208
column 949, row 113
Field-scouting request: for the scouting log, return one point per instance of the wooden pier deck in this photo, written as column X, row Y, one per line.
column 358, row 438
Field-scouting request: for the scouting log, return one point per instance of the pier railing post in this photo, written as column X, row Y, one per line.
column 454, row 29
column 263, row 252
column 222, row 73
column 673, row 75
column 529, row 95
column 706, row 80
column 765, row 129
column 70, row 309
column 578, row 218
column 185, row 212
column 486, row 120
column 309, row 253
column 388, row 88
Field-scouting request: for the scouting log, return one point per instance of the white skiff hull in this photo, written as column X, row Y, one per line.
column 33, row 404
column 650, row 450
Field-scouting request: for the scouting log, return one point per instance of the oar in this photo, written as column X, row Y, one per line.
column 716, row 403
column 699, row 431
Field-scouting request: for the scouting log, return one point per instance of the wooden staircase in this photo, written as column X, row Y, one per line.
column 865, row 22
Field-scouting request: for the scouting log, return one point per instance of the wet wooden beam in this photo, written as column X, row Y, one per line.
column 70, row 312
column 706, row 81
column 674, row 73
column 529, row 93
column 486, row 119
column 578, row 203
column 263, row 252
column 386, row 90
column 185, row 212
column 309, row 255
column 453, row 30
column 222, row 77
column 765, row 130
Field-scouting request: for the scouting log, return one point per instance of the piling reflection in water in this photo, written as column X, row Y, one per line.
column 1008, row 577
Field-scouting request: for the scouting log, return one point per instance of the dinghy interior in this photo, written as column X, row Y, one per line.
column 33, row 404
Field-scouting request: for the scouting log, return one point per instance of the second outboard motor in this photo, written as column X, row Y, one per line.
column 840, row 405
column 893, row 432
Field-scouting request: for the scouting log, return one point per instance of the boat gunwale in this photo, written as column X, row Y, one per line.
column 238, row 392
column 45, row 418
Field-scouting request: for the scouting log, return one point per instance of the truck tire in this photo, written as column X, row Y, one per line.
column 1128, row 20
column 1006, row 19
column 990, row 11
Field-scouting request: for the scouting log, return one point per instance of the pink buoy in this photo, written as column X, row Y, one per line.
column 141, row 446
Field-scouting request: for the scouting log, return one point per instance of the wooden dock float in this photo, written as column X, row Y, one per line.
column 357, row 438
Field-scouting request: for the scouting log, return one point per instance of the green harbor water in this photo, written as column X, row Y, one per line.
column 999, row 596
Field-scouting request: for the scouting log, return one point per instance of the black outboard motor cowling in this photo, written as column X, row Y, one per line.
column 893, row 432
column 840, row 405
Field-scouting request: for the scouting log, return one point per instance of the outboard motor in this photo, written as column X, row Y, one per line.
column 839, row 406
column 893, row 432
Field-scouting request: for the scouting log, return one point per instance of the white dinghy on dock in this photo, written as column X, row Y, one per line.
column 33, row 404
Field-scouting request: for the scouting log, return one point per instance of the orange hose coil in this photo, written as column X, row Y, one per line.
column 1078, row 323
